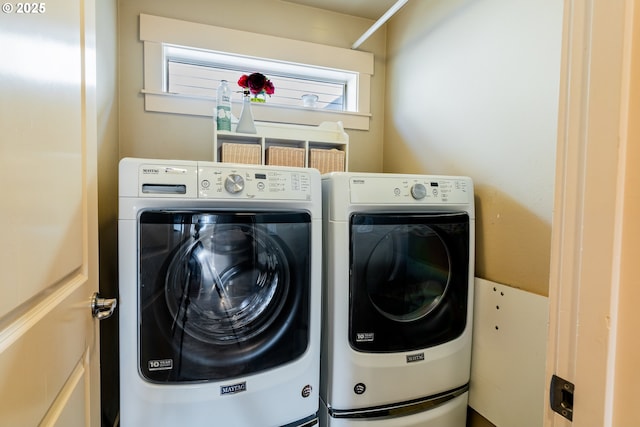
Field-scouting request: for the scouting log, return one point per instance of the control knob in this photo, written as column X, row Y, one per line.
column 234, row 183
column 418, row 191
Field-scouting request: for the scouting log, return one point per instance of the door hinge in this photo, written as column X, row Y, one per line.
column 561, row 396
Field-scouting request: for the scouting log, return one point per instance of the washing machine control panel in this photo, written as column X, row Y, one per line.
column 410, row 189
column 227, row 181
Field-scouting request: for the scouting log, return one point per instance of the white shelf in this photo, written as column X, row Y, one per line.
column 326, row 136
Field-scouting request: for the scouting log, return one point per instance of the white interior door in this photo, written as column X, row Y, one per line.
column 48, row 252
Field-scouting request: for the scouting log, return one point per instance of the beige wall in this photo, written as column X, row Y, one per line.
column 472, row 89
column 157, row 135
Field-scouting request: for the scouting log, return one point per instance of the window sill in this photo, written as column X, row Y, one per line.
column 199, row 106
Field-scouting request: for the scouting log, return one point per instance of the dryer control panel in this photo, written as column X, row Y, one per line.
column 229, row 182
column 410, row 190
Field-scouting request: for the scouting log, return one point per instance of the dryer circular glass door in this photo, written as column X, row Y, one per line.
column 409, row 280
column 222, row 294
column 402, row 283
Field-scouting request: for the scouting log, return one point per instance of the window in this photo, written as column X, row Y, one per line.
column 184, row 62
column 195, row 72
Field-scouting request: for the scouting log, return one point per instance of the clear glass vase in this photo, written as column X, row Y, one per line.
column 245, row 123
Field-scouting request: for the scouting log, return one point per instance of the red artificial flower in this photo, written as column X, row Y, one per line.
column 256, row 83
column 243, row 81
column 269, row 88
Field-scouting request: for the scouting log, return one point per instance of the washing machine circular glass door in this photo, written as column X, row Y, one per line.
column 222, row 294
column 409, row 280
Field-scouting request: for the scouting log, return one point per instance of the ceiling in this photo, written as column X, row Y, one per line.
column 370, row 9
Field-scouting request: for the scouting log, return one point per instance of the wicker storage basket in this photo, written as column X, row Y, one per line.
column 285, row 156
column 241, row 153
column 326, row 160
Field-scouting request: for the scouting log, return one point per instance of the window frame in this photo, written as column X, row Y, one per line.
column 155, row 32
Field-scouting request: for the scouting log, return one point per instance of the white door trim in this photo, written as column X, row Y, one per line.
column 587, row 224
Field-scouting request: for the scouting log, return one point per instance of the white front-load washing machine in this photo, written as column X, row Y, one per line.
column 219, row 283
column 397, row 305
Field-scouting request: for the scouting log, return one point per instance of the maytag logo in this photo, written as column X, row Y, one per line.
column 415, row 357
column 233, row 388
column 150, row 171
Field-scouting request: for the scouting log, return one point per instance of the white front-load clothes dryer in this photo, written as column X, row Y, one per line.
column 397, row 305
column 219, row 283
